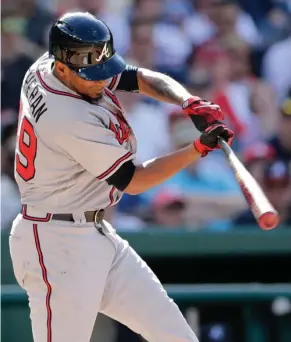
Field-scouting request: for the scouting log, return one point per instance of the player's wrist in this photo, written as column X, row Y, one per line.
column 200, row 148
column 191, row 150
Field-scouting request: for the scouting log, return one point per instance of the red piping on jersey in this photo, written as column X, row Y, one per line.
column 113, row 98
column 57, row 92
column 115, row 165
column 31, row 218
column 45, row 279
column 111, row 196
column 64, row 93
column 112, row 83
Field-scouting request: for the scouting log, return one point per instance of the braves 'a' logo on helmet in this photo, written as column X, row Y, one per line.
column 105, row 52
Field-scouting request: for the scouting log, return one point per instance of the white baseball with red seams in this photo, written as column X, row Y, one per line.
column 66, row 149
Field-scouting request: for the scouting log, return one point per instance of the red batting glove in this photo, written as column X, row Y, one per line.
column 203, row 113
column 208, row 141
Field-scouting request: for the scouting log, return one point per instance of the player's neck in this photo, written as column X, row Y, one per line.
column 62, row 79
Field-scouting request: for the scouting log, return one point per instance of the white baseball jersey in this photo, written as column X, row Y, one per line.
column 71, row 271
column 67, row 147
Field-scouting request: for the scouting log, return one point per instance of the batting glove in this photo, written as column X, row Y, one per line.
column 208, row 141
column 203, row 113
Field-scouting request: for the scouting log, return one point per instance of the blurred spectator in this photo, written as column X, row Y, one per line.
column 14, row 67
column 173, row 45
column 149, row 122
column 257, row 9
column 200, row 83
column 64, row 6
column 49, row 6
column 247, row 101
column 24, row 37
column 275, row 26
column 260, row 100
column 8, row 141
column 31, row 20
column 10, row 198
column 147, row 10
column 255, row 157
column 168, row 209
column 142, row 48
column 276, row 67
column 281, row 142
column 277, row 186
column 165, row 18
column 215, row 18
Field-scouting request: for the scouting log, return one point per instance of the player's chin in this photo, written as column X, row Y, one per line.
column 95, row 92
column 99, row 93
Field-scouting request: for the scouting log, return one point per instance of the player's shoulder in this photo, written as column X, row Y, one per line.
column 43, row 59
column 123, row 80
column 113, row 82
column 72, row 117
column 39, row 60
column 33, row 79
column 65, row 110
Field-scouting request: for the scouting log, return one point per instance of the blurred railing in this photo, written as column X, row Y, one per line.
column 188, row 297
column 243, row 241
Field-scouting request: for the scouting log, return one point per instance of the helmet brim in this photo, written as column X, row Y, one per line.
column 98, row 72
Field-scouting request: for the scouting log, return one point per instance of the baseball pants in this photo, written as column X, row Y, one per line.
column 71, row 272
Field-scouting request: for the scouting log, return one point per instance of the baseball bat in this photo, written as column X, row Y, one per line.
column 263, row 211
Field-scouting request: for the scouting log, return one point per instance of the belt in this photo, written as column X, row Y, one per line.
column 90, row 216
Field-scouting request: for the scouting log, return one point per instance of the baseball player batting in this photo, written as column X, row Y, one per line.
column 74, row 158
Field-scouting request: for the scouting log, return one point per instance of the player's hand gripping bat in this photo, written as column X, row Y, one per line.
column 265, row 214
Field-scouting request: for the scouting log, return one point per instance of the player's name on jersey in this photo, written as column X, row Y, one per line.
column 35, row 99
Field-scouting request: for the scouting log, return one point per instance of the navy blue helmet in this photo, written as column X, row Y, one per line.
column 85, row 44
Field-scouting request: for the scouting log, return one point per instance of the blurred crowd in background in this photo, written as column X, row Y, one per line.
column 234, row 53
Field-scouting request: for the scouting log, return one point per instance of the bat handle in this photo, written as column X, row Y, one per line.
column 224, row 146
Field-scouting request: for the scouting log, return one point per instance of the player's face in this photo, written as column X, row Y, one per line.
column 92, row 89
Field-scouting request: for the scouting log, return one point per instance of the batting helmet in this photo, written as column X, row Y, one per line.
column 85, row 44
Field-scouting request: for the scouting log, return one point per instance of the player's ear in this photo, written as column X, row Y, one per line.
column 62, row 69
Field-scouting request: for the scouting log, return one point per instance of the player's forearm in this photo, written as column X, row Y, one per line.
column 161, row 87
column 156, row 171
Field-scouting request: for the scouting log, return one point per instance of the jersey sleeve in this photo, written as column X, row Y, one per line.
column 95, row 147
column 125, row 81
column 113, row 82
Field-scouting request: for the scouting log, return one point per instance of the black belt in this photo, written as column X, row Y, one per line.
column 90, row 216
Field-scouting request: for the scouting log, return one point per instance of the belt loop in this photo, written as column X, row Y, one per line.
column 98, row 217
column 79, row 218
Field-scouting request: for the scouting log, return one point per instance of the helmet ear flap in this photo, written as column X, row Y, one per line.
column 58, row 53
